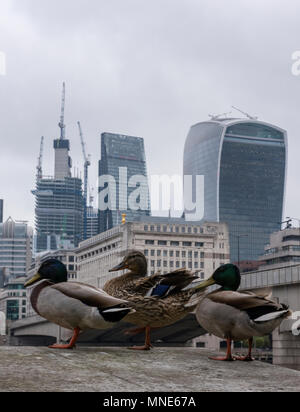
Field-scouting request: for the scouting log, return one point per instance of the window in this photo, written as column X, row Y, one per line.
column 177, row 264
column 195, row 230
column 162, row 243
column 199, row 244
column 187, row 243
column 152, row 263
column 149, row 242
column 146, row 228
column 146, row 252
column 165, row 253
column 177, row 253
column 189, row 229
column 152, row 252
column 190, row 265
column 164, row 228
column 174, row 243
column 183, row 229
column 183, row 263
column 158, row 228
column 190, row 254
column 171, row 264
column 158, row 263
column 195, row 255
column 202, row 255
column 158, row 252
column 183, row 254
column 171, row 253
column 152, row 228
column 196, row 265
column 165, row 263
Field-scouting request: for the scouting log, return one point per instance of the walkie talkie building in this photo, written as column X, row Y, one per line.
column 243, row 162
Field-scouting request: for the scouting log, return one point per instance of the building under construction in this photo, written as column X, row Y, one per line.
column 59, row 199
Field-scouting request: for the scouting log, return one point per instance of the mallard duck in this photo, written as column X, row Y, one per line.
column 159, row 300
column 136, row 282
column 235, row 315
column 73, row 305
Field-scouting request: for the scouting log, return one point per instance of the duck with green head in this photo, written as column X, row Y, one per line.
column 234, row 315
column 73, row 305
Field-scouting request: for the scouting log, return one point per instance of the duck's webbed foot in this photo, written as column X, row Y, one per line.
column 69, row 345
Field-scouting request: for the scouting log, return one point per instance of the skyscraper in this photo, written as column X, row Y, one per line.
column 243, row 162
column 1, row 210
column 123, row 181
column 59, row 200
column 15, row 248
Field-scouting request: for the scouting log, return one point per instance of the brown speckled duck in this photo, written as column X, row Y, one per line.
column 159, row 300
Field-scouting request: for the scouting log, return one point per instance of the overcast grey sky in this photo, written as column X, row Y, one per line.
column 148, row 68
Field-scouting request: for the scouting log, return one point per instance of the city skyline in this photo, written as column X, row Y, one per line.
column 161, row 70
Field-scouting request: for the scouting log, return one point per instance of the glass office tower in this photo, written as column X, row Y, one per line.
column 122, row 175
column 244, row 167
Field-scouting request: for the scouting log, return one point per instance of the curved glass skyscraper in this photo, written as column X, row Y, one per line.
column 243, row 162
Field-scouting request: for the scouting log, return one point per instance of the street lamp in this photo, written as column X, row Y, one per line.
column 238, row 240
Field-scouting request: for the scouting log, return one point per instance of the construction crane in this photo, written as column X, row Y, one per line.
column 39, row 172
column 87, row 163
column 244, row 113
column 61, row 124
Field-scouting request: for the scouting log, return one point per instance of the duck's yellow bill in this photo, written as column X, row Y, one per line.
column 34, row 279
column 208, row 282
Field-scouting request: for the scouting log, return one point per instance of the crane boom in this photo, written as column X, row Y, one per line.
column 87, row 163
column 61, row 124
column 40, row 160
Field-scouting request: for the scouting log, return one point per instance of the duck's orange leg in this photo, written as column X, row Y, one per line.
column 247, row 358
column 147, row 345
column 69, row 345
column 228, row 356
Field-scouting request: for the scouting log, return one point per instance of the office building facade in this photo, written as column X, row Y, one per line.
column 15, row 249
column 243, row 162
column 168, row 244
column 123, row 182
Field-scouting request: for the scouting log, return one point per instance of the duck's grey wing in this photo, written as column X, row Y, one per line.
column 88, row 294
column 251, row 303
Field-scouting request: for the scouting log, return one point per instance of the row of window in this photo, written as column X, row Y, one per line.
column 172, row 229
column 173, row 243
column 178, row 264
column 172, row 253
column 98, row 251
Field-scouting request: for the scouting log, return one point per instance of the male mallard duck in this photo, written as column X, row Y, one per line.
column 159, row 300
column 73, row 305
column 234, row 315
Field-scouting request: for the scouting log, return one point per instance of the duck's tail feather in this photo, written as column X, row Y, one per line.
column 273, row 315
column 115, row 313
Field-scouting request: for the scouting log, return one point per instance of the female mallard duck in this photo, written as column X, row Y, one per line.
column 136, row 282
column 159, row 300
column 73, row 305
column 234, row 315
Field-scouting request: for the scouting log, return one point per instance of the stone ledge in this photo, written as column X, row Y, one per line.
column 88, row 369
